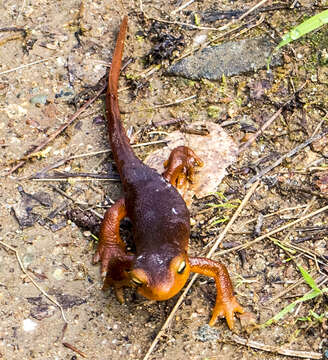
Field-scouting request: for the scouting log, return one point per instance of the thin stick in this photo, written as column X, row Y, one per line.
column 233, row 219
column 234, row 21
column 21, row 11
column 214, row 247
column 23, row 66
column 192, row 26
column 269, row 122
column 244, row 246
column 182, row 7
column 75, row 349
column 94, row 153
column 68, row 175
column 75, row 179
column 179, row 101
column 286, row 291
column 275, row 349
column 285, row 156
column 60, row 130
column 10, row 38
column 252, row 9
column 61, row 162
column 260, row 131
column 176, row 102
column 32, row 280
column 275, row 213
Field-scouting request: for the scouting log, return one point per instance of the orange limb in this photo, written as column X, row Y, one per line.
column 179, row 168
column 226, row 304
column 112, row 250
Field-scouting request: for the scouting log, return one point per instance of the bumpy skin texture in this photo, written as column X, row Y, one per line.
column 160, row 266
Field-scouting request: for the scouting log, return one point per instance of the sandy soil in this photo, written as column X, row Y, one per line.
column 35, row 100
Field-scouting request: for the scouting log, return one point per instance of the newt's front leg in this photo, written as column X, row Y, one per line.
column 226, row 304
column 111, row 250
column 179, row 168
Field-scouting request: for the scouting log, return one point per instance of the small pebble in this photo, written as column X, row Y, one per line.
column 61, row 61
column 40, row 99
column 98, row 120
column 199, row 39
column 58, row 274
column 28, row 259
column 207, row 333
column 29, row 325
column 66, row 93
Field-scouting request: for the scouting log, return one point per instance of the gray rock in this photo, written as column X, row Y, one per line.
column 40, row 99
column 231, row 58
column 207, row 333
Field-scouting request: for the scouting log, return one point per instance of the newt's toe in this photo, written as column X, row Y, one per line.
column 226, row 309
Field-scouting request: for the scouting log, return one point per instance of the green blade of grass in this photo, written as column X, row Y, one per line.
column 284, row 247
column 219, row 221
column 316, row 316
column 314, row 293
column 308, row 278
column 291, row 307
column 300, row 30
column 305, row 27
column 224, row 205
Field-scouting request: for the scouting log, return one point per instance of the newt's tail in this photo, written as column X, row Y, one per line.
column 115, row 69
column 120, row 144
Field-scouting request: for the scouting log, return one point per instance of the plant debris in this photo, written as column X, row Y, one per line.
column 42, row 311
column 86, row 220
column 322, row 182
column 68, row 301
column 165, row 45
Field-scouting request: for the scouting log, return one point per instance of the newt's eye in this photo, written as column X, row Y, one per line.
column 136, row 281
column 182, row 267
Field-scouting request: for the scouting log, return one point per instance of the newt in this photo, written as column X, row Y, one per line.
column 160, row 219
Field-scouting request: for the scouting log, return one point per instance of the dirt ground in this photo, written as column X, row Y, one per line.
column 66, row 49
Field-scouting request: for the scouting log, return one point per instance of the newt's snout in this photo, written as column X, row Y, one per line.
column 164, row 284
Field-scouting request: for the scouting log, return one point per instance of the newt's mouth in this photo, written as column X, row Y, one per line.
column 155, row 288
column 163, row 291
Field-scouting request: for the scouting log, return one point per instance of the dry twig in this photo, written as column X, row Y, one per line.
column 32, row 280
column 73, row 348
column 42, row 174
column 183, row 6
column 262, row 2
column 176, row 102
column 23, row 66
column 260, row 131
column 276, row 349
column 244, row 246
column 60, row 130
column 10, row 38
column 285, row 156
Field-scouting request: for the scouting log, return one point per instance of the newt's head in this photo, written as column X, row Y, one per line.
column 159, row 278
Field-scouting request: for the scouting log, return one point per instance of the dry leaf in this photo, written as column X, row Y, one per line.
column 322, row 182
column 217, row 150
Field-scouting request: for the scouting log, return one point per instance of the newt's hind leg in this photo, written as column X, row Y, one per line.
column 179, row 168
column 226, row 304
column 112, row 251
